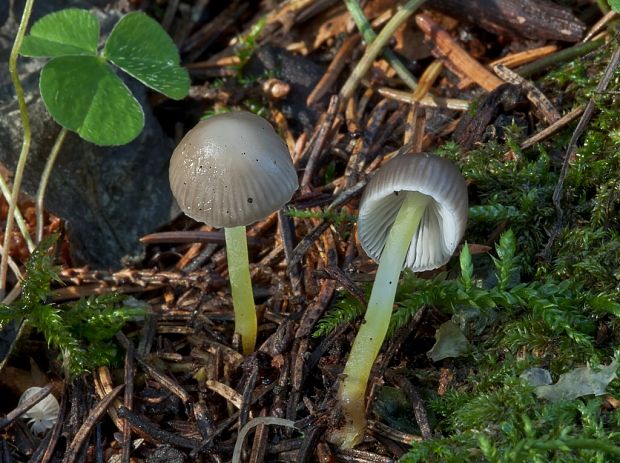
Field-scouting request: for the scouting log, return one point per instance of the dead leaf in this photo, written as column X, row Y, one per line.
column 450, row 342
column 579, row 382
column 536, row 377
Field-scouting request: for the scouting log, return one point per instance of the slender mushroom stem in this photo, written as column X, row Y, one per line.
column 241, row 286
column 377, row 319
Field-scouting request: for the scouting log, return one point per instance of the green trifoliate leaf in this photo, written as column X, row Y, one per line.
column 83, row 94
column 143, row 49
column 614, row 4
column 66, row 32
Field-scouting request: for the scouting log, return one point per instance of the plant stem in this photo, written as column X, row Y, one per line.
column 374, row 48
column 603, row 6
column 368, row 34
column 19, row 218
column 241, row 286
column 45, row 176
column 13, row 265
column 23, row 155
column 373, row 329
column 568, row 54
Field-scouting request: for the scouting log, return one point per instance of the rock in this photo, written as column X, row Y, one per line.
column 108, row 196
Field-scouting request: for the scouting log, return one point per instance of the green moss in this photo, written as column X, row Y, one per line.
column 83, row 331
column 337, row 218
column 517, row 309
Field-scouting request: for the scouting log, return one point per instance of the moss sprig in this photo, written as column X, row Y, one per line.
column 81, row 331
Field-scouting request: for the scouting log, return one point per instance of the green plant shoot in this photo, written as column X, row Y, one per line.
column 83, row 331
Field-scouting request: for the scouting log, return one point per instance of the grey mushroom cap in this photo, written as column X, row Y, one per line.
column 231, row 170
column 443, row 222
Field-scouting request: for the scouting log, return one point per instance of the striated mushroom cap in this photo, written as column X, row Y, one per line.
column 43, row 415
column 444, row 220
column 231, row 170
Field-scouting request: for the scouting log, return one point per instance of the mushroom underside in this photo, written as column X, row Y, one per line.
column 432, row 243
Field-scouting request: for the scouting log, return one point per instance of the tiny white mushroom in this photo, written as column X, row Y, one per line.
column 43, row 415
column 229, row 171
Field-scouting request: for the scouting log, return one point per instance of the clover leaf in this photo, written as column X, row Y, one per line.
column 80, row 88
column 66, row 32
column 140, row 47
column 103, row 111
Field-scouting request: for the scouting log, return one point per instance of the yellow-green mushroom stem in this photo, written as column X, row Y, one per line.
column 241, row 287
column 229, row 171
column 372, row 332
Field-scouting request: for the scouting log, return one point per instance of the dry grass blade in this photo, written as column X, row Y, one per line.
column 448, row 48
column 50, row 444
column 537, row 98
column 376, row 46
column 429, row 101
column 317, row 147
column 419, row 409
column 553, row 128
column 333, row 71
column 599, row 25
column 128, row 402
column 416, row 120
column 165, row 381
column 88, row 425
column 103, row 386
column 377, row 427
column 154, row 432
column 226, row 392
column 290, row 8
column 368, row 34
column 513, row 60
column 216, row 237
column 361, row 456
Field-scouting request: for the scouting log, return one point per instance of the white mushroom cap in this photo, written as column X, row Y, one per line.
column 43, row 415
column 443, row 223
column 231, row 170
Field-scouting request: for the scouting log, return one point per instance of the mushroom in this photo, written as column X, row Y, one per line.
column 229, row 171
column 44, row 414
column 413, row 213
